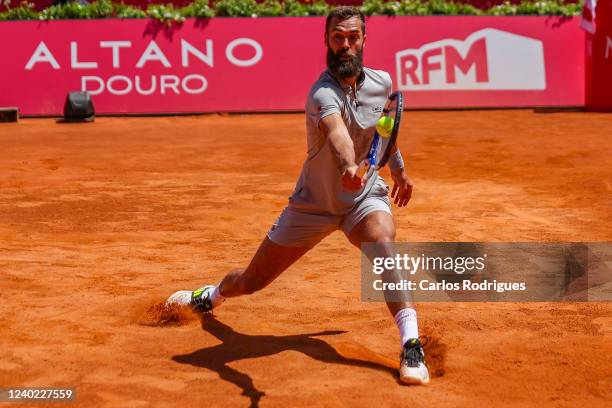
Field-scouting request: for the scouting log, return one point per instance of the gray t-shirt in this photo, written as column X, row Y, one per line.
column 319, row 188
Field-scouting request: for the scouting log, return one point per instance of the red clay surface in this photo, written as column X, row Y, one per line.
column 100, row 222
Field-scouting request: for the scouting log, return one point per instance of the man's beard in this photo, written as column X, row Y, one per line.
column 345, row 69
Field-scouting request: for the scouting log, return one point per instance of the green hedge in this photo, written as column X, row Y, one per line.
column 167, row 13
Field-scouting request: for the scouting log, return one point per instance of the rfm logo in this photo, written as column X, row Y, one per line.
column 487, row 59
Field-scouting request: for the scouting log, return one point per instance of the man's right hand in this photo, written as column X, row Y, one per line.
column 351, row 180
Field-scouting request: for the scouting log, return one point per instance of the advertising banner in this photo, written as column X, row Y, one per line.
column 268, row 64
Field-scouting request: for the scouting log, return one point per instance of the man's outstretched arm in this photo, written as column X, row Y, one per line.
column 344, row 151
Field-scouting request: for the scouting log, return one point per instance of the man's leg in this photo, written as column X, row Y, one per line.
column 378, row 227
column 267, row 264
column 291, row 236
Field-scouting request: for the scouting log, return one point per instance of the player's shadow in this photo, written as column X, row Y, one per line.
column 238, row 346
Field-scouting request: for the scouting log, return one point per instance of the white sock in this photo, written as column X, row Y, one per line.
column 215, row 297
column 406, row 320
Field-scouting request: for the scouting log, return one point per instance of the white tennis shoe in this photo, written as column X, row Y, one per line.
column 198, row 300
column 412, row 363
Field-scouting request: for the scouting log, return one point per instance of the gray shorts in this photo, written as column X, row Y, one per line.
column 301, row 228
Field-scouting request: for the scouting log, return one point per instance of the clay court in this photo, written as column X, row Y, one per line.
column 100, row 222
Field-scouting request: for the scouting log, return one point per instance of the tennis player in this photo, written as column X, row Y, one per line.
column 342, row 109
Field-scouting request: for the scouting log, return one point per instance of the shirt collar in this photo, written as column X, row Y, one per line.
column 359, row 83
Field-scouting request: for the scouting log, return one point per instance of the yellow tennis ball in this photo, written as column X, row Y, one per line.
column 384, row 126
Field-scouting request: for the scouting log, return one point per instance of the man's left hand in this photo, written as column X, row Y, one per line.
column 402, row 187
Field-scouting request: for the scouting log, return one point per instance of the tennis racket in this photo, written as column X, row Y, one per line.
column 380, row 149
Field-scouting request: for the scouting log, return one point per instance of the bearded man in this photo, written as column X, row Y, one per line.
column 342, row 110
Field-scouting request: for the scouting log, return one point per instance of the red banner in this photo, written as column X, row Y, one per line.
column 269, row 64
column 599, row 59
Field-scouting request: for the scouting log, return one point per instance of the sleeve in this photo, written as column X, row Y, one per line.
column 388, row 84
column 322, row 102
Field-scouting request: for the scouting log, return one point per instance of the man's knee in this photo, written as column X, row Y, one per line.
column 382, row 233
column 375, row 227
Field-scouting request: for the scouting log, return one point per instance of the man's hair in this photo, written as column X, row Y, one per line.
column 344, row 13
